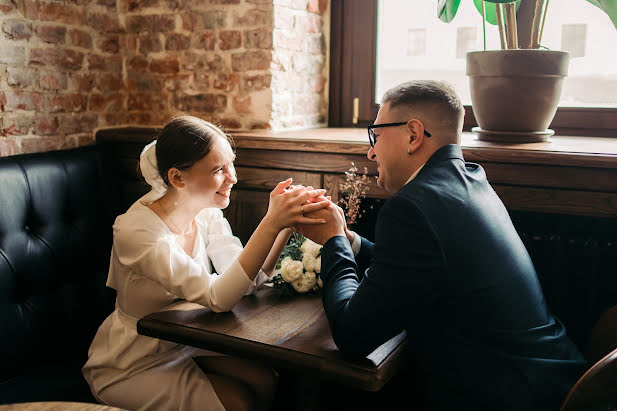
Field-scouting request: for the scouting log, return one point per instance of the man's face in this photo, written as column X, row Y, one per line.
column 390, row 151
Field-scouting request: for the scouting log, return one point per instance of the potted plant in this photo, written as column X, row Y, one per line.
column 515, row 90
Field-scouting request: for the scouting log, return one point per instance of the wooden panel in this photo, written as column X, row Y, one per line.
column 558, row 201
column 245, row 211
column 310, row 161
column 581, row 178
column 267, row 179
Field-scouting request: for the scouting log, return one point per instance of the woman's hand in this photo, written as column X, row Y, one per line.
column 289, row 205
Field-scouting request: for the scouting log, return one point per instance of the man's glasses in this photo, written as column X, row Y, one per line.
column 372, row 138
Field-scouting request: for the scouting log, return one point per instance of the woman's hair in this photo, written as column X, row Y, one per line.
column 183, row 142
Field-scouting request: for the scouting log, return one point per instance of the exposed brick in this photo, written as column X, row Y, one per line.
column 317, row 44
column 250, row 60
column 284, row 18
column 202, row 102
column 52, row 34
column 309, row 23
column 62, row 58
column 115, row 102
column 136, row 5
column 12, row 54
column 145, row 101
column 259, row 126
column 6, row 6
column 17, row 124
column 259, row 1
column 138, row 63
column 254, row 17
column 284, row 39
column 79, row 38
column 20, row 77
column 8, row 146
column 225, row 1
column 177, row 82
column 82, row 82
column 41, row 144
column 109, row 44
column 77, row 123
column 45, row 125
column 96, row 102
column 201, row 81
column 150, row 23
column 58, row 12
column 226, row 82
column 140, row 118
column 258, row 82
column 150, row 44
column 84, row 139
column 216, row 63
column 107, row 3
column 104, row 23
column 317, row 6
column 23, row 100
column 241, row 105
column 144, row 82
column 105, row 63
column 110, row 82
column 229, row 40
column 3, row 101
column 16, row 29
column 177, row 42
column 199, row 20
column 68, row 103
column 116, row 118
column 258, row 39
column 229, row 124
column 203, row 41
column 167, row 66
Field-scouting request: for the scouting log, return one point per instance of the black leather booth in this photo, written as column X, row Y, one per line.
column 56, row 213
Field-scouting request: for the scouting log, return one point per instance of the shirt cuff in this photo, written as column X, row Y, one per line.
column 356, row 244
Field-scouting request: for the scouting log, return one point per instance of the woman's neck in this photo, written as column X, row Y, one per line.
column 175, row 212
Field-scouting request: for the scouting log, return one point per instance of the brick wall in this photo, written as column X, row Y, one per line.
column 70, row 67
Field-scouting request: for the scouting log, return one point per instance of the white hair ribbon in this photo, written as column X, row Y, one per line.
column 149, row 169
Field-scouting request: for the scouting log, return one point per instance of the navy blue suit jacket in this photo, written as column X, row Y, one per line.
column 448, row 267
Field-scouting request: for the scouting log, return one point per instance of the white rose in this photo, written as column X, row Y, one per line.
column 310, row 262
column 305, row 282
column 310, row 247
column 318, row 265
column 291, row 270
column 319, row 282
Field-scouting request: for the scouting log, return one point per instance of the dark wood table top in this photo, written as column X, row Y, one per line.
column 289, row 332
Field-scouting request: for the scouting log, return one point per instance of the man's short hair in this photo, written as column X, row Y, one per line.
column 417, row 93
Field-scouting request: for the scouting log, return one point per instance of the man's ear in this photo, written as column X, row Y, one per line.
column 176, row 177
column 416, row 137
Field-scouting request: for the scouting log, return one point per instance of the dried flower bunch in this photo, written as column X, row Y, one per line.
column 353, row 190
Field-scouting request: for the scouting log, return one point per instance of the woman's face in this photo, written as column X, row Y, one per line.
column 208, row 182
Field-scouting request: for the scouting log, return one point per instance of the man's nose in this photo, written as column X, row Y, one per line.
column 371, row 154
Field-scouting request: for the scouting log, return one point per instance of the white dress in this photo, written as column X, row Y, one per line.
column 149, row 270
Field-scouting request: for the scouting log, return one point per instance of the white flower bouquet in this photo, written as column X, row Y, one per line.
column 297, row 271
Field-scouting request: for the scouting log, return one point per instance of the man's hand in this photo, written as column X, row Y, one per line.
column 335, row 225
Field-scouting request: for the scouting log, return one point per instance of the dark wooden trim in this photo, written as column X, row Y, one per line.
column 336, row 62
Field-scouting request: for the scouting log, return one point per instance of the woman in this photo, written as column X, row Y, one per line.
column 170, row 244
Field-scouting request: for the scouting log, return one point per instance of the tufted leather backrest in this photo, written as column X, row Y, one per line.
column 56, row 213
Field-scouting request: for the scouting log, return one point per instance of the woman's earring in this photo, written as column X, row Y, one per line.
column 409, row 151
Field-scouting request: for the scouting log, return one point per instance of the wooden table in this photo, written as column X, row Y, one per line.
column 290, row 333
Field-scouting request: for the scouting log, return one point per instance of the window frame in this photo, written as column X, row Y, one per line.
column 353, row 59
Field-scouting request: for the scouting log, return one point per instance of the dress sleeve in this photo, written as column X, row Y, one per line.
column 146, row 249
column 224, row 248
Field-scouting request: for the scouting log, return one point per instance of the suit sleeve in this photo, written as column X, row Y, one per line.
column 404, row 277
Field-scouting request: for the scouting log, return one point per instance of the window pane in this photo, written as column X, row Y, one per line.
column 412, row 43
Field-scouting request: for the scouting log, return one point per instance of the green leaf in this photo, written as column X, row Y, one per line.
column 609, row 7
column 489, row 6
column 446, row 9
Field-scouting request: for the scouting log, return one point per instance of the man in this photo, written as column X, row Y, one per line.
column 447, row 266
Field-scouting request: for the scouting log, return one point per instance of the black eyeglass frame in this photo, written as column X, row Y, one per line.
column 372, row 138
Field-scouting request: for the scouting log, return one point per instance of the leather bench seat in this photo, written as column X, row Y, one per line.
column 56, row 214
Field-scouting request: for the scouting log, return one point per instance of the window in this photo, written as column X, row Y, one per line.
column 376, row 44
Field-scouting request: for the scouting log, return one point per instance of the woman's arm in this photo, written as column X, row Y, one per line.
column 276, row 250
